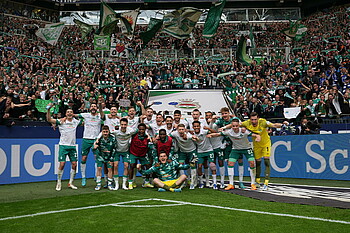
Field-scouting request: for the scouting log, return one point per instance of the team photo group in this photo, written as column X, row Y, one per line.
column 169, row 151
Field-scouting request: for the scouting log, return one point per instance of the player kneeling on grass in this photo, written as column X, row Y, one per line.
column 105, row 150
column 240, row 147
column 167, row 172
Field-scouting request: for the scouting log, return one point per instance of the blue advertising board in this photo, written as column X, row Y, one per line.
column 299, row 156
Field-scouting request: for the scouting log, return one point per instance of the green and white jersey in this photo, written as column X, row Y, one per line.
column 167, row 171
column 203, row 145
column 123, row 139
column 183, row 121
column 107, row 146
column 133, row 123
column 221, row 122
column 239, row 140
column 184, row 145
column 190, row 121
column 92, row 125
column 112, row 123
column 149, row 122
column 216, row 142
column 68, row 132
column 155, row 128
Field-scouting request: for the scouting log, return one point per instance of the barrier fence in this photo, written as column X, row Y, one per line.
column 302, row 156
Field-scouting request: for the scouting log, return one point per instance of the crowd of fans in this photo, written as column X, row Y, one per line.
column 315, row 77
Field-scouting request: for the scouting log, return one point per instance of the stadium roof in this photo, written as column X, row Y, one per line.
column 307, row 6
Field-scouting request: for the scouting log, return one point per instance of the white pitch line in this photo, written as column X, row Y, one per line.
column 72, row 209
column 144, row 206
column 257, row 212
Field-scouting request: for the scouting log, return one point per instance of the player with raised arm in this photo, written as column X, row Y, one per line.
column 240, row 147
column 122, row 136
column 138, row 152
column 187, row 149
column 92, row 128
column 105, row 152
column 262, row 148
column 205, row 154
column 167, row 172
column 67, row 145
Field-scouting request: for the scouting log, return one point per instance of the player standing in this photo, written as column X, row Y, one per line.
column 262, row 148
column 67, row 145
column 92, row 128
column 240, row 148
column 105, row 151
column 187, row 149
column 205, row 154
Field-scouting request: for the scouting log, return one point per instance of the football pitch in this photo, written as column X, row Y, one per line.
column 37, row 207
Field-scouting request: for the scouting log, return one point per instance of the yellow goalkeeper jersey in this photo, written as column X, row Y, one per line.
column 260, row 129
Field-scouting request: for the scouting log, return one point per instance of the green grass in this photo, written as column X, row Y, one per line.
column 22, row 199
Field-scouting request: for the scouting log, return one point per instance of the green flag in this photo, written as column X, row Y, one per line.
column 102, row 42
column 296, row 30
column 153, row 27
column 241, row 53
column 50, row 33
column 213, row 19
column 108, row 20
column 181, row 22
column 41, row 104
column 85, row 28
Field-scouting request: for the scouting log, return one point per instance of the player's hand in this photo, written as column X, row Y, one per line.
column 221, row 129
column 258, row 138
column 138, row 166
column 192, row 164
column 156, row 165
column 62, row 120
column 285, row 123
column 194, row 159
column 206, row 127
column 209, row 136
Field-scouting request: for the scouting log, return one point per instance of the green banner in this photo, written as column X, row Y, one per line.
column 153, row 27
column 41, row 105
column 180, row 23
column 241, row 53
column 101, row 42
column 213, row 19
column 85, row 28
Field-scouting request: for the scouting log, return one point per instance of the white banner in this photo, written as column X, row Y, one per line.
column 50, row 33
column 291, row 113
column 118, row 48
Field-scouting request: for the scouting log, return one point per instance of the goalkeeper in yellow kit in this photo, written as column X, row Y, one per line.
column 262, row 148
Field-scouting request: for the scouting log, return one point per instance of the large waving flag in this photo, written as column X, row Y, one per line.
column 252, row 40
column 128, row 27
column 109, row 20
column 50, row 33
column 296, row 30
column 213, row 19
column 85, row 28
column 181, row 22
column 241, row 53
column 153, row 27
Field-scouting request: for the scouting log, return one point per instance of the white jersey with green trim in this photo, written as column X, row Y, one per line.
column 68, row 131
column 133, row 123
column 216, row 142
column 92, row 125
column 185, row 145
column 239, row 140
column 203, row 144
column 191, row 120
column 155, row 128
column 112, row 123
column 149, row 122
column 123, row 138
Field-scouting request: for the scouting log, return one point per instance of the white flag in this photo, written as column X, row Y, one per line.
column 50, row 33
column 131, row 17
column 290, row 113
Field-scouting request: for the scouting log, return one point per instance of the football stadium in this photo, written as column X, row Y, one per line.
column 174, row 116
